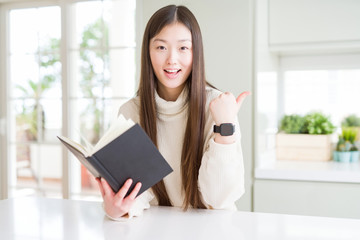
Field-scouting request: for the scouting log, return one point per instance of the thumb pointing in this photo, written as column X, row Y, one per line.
column 241, row 98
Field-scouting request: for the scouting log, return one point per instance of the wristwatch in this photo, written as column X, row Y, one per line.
column 225, row 129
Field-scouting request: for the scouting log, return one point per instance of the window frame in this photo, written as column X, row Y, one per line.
column 303, row 62
column 3, row 107
column 65, row 49
column 311, row 62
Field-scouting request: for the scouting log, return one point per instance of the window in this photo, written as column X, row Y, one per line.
column 332, row 91
column 34, row 100
column 102, row 56
column 303, row 84
column 63, row 79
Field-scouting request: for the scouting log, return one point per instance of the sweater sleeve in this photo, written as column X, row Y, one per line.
column 141, row 203
column 221, row 174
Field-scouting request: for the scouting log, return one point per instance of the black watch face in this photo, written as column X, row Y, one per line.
column 227, row 129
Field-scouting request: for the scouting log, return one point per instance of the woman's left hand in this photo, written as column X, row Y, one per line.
column 225, row 107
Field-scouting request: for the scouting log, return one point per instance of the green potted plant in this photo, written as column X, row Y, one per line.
column 352, row 121
column 317, row 123
column 304, row 137
column 292, row 124
column 346, row 150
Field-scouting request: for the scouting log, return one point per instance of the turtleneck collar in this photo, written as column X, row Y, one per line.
column 172, row 107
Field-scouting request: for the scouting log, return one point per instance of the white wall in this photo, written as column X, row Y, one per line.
column 313, row 21
column 3, row 164
column 265, row 61
column 228, row 42
column 314, row 26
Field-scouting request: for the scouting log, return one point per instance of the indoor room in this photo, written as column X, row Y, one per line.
column 70, row 68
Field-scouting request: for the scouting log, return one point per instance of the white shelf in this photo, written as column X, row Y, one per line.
column 309, row 171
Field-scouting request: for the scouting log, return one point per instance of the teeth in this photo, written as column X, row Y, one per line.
column 171, row 71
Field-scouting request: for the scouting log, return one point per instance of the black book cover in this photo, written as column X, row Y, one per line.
column 130, row 155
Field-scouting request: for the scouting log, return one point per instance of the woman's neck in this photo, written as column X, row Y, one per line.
column 170, row 94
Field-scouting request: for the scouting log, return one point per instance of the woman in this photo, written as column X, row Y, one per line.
column 194, row 126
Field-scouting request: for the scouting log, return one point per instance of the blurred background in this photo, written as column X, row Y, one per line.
column 67, row 66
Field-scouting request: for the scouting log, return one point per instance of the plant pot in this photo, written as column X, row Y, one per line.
column 342, row 156
column 352, row 156
column 303, row 147
column 355, row 156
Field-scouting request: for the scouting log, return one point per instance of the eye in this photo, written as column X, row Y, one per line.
column 161, row 48
column 184, row 48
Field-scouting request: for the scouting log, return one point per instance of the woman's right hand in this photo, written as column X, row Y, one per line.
column 115, row 204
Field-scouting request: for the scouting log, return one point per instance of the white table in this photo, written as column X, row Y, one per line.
column 41, row 218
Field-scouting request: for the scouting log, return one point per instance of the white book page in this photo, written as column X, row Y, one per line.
column 82, row 150
column 118, row 127
column 88, row 146
column 76, row 145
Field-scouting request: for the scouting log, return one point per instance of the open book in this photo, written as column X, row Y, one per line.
column 125, row 151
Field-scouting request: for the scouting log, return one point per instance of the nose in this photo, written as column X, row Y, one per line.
column 172, row 57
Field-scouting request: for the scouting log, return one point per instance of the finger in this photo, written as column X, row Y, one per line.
column 124, row 189
column 241, row 98
column 107, row 189
column 100, row 186
column 225, row 94
column 135, row 191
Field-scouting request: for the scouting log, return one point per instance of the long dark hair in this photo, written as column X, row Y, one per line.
column 192, row 150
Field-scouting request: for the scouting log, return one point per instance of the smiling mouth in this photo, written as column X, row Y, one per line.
column 172, row 71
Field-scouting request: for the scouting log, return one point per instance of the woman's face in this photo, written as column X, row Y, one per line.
column 171, row 58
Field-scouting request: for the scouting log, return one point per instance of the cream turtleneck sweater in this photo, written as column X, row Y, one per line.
column 221, row 175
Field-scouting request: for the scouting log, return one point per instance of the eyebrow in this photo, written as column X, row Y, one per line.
column 162, row 40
